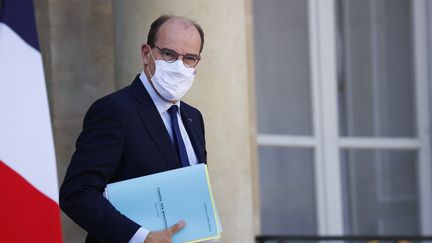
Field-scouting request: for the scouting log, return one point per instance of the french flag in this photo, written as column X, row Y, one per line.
column 29, row 210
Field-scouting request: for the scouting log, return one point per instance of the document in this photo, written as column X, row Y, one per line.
column 160, row 200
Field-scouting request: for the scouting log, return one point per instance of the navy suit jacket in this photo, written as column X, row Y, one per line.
column 123, row 137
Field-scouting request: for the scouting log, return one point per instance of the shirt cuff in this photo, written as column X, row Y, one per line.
column 139, row 236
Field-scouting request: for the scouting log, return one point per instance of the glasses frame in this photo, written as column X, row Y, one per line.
column 176, row 55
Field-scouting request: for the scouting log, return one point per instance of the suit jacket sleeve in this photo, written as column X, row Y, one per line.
column 98, row 154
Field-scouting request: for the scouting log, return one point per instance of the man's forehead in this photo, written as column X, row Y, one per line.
column 177, row 23
column 179, row 34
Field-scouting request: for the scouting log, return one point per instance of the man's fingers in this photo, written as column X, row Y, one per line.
column 177, row 227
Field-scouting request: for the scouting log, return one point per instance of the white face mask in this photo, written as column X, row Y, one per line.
column 172, row 80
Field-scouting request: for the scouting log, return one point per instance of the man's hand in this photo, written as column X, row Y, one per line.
column 164, row 236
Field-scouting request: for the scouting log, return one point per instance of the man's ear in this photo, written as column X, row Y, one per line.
column 145, row 48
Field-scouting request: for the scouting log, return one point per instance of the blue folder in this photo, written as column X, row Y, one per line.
column 160, row 200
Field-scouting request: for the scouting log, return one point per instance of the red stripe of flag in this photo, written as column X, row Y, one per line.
column 27, row 215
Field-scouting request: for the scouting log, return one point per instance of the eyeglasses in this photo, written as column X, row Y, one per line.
column 168, row 55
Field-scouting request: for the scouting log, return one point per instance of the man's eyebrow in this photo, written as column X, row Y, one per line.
column 168, row 49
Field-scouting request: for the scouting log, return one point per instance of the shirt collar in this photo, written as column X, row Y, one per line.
column 161, row 104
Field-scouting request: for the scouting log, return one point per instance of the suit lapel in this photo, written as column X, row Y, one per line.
column 188, row 122
column 152, row 120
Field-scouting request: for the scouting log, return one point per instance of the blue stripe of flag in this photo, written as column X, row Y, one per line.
column 19, row 16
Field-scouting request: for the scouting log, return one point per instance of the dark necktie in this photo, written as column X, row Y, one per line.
column 178, row 140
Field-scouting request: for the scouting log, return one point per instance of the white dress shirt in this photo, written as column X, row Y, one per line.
column 163, row 106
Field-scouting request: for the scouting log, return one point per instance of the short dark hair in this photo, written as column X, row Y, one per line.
column 155, row 26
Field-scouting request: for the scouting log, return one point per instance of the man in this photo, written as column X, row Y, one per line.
column 139, row 130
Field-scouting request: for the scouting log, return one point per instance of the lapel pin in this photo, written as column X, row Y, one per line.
column 190, row 119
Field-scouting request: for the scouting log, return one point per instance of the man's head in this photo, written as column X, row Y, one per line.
column 169, row 36
column 179, row 34
column 155, row 26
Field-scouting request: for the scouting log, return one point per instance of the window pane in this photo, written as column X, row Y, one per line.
column 282, row 67
column 376, row 82
column 380, row 192
column 287, row 190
